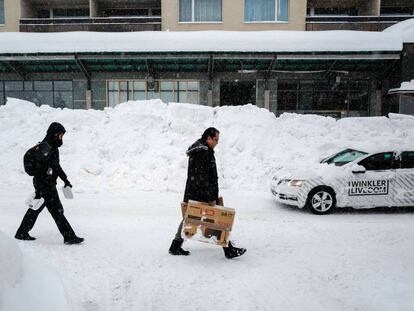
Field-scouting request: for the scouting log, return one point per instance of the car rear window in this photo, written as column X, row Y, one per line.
column 379, row 161
column 407, row 159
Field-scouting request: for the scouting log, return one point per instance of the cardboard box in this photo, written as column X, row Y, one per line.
column 220, row 202
column 208, row 223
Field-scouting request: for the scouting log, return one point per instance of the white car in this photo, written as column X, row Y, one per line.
column 350, row 178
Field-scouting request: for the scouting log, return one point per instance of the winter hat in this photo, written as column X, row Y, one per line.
column 55, row 128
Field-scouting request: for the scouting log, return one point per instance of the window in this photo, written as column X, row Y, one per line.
column 13, row 86
column 168, row 91
column 323, row 95
column 1, row 12
column 42, row 14
column 43, row 85
column 200, row 10
column 155, row 12
column 287, row 95
column 53, row 93
column 380, row 161
column 265, row 10
column 407, row 159
column 63, row 96
column 188, row 92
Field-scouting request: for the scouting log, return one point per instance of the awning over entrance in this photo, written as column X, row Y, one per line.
column 25, row 64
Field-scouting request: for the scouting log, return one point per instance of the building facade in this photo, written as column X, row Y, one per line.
column 369, row 15
column 235, row 15
column 192, row 15
column 80, row 15
column 338, row 84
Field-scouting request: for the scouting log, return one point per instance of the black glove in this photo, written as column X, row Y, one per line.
column 38, row 195
column 67, row 184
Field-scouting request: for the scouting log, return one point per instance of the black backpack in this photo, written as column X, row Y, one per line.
column 35, row 158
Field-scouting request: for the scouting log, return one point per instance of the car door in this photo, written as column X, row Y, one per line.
column 375, row 186
column 404, row 180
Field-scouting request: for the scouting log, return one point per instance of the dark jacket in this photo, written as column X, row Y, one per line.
column 50, row 169
column 202, row 179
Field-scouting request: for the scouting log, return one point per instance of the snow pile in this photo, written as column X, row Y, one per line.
column 405, row 29
column 197, row 41
column 27, row 284
column 141, row 145
column 10, row 263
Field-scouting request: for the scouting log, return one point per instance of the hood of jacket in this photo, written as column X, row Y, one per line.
column 51, row 134
column 198, row 146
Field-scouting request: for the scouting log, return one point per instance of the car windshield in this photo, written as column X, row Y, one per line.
column 343, row 157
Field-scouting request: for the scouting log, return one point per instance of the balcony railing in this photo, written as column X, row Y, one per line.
column 113, row 24
column 366, row 23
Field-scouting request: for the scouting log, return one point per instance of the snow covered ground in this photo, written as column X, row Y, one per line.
column 128, row 169
column 295, row 260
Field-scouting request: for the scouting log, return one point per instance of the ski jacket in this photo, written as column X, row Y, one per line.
column 202, row 179
column 50, row 168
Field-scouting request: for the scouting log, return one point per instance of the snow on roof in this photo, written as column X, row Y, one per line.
column 200, row 41
column 405, row 29
column 406, row 87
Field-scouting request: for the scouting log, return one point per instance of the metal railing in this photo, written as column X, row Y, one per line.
column 138, row 23
column 367, row 23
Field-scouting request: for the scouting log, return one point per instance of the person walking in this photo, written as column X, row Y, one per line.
column 46, row 169
column 202, row 185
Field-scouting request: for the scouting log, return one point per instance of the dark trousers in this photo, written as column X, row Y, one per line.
column 55, row 208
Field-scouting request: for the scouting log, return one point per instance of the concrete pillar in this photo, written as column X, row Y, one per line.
column 260, row 90
column 272, row 87
column 216, row 92
column 88, row 97
column 27, row 9
column 267, row 99
column 372, row 98
column 373, row 8
column 210, row 98
column 378, row 104
column 93, row 8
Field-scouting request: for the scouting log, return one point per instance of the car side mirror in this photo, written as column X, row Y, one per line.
column 358, row 169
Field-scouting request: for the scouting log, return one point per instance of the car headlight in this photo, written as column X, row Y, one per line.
column 283, row 181
column 295, row 183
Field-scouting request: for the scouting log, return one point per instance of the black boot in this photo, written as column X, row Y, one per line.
column 175, row 248
column 24, row 237
column 232, row 252
column 74, row 240
column 27, row 224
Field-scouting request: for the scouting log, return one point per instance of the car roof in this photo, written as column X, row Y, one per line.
column 379, row 149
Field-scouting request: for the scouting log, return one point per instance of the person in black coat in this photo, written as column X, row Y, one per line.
column 202, row 185
column 47, row 171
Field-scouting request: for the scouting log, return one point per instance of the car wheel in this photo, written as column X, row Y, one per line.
column 321, row 200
